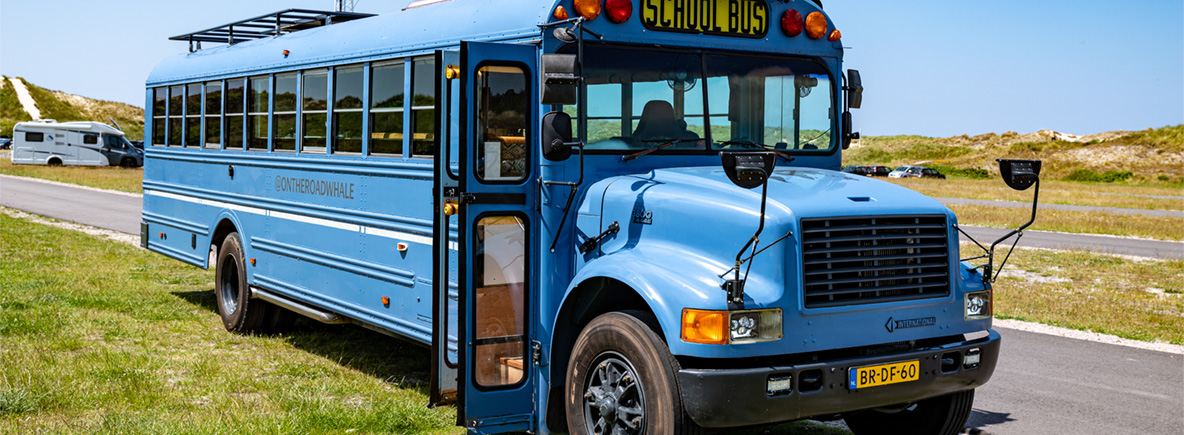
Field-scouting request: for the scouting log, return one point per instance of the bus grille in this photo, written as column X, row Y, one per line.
column 864, row 260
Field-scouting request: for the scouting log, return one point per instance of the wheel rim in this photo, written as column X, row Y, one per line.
column 614, row 400
column 228, row 284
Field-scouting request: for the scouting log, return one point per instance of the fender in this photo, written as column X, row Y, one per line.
column 666, row 278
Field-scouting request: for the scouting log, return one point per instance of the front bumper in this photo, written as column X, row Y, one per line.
column 738, row 397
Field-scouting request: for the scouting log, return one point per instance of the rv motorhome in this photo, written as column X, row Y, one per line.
column 80, row 143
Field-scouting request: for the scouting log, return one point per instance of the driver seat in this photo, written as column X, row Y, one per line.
column 658, row 121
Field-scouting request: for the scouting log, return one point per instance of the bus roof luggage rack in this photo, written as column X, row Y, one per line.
column 266, row 26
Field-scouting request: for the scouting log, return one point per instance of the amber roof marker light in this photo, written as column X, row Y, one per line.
column 835, row 35
column 589, row 9
column 816, row 25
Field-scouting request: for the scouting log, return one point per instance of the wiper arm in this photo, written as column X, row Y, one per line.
column 758, row 145
column 665, row 142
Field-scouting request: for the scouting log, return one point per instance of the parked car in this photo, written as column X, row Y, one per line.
column 857, row 170
column 138, row 144
column 5, row 143
column 915, row 172
column 878, row 171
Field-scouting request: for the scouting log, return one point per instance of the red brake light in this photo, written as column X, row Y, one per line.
column 618, row 11
column 792, row 23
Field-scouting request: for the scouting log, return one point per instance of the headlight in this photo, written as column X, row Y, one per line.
column 755, row 326
column 978, row 305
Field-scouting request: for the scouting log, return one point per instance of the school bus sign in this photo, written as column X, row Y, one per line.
column 740, row 18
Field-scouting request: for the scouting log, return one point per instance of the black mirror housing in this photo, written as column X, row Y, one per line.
column 556, row 136
column 854, row 89
column 1019, row 174
column 559, row 79
column 748, row 169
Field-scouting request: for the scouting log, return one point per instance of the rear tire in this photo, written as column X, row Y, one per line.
column 944, row 415
column 240, row 314
column 54, row 162
column 621, row 379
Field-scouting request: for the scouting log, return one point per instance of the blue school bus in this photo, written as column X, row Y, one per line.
column 605, row 216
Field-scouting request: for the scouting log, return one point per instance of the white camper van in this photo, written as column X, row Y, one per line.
column 81, row 143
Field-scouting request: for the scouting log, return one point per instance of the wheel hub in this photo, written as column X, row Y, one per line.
column 614, row 402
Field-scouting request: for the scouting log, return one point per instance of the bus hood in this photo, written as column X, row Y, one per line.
column 695, row 221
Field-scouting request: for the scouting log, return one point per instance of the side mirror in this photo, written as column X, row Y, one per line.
column 556, row 136
column 854, row 89
column 559, row 79
column 1019, row 174
column 748, row 169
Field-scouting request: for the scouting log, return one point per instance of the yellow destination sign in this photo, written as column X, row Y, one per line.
column 743, row 18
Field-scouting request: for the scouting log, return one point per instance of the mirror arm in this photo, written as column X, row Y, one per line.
column 575, row 187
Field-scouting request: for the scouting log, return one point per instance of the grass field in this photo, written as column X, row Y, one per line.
column 102, row 177
column 1150, row 197
column 1148, row 227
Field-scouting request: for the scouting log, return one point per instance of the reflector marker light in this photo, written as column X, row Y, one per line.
column 618, row 11
column 560, row 13
column 792, row 23
column 835, row 35
column 816, row 25
column 589, row 9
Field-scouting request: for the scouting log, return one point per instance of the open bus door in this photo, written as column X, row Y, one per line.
column 497, row 228
column 446, row 295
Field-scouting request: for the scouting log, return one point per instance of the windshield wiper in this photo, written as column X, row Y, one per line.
column 751, row 144
column 665, row 142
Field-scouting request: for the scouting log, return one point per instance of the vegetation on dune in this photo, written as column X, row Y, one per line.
column 64, row 107
column 10, row 108
column 1148, row 156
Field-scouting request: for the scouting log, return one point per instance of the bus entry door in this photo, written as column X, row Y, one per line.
column 497, row 229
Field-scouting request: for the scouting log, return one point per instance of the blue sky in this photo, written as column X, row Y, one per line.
column 934, row 68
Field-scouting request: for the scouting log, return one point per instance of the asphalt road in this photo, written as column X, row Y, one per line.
column 1044, row 384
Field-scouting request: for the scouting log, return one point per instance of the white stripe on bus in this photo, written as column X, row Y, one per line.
column 396, row 235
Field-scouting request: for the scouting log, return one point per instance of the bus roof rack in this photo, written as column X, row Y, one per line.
column 266, row 26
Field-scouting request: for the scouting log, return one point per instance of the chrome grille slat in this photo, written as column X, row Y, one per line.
column 875, row 259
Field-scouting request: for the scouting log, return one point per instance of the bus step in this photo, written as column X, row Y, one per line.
column 298, row 308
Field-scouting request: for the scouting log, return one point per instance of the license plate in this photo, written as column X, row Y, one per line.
column 883, row 374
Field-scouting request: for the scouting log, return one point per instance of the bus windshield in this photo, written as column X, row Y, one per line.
column 638, row 99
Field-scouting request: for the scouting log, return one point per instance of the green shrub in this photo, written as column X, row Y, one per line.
column 1089, row 175
column 967, row 173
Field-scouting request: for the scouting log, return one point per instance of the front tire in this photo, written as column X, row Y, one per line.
column 622, row 379
column 240, row 314
column 943, row 415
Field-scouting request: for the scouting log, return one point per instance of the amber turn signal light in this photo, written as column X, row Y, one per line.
column 560, row 13
column 835, row 35
column 704, row 327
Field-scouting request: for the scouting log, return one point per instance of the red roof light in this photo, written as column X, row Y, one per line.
column 792, row 23
column 618, row 11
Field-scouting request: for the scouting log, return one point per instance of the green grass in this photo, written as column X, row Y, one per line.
column 99, row 337
column 1147, row 227
column 102, row 177
column 1052, row 192
column 1140, row 300
column 11, row 111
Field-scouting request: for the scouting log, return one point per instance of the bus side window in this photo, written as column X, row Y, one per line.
column 347, row 109
column 176, row 115
column 502, row 104
column 159, row 115
column 386, row 109
column 423, row 107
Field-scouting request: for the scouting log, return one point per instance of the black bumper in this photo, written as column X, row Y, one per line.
column 739, row 397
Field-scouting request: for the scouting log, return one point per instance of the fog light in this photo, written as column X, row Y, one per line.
column 779, row 385
column 972, row 358
column 978, row 305
column 755, row 326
